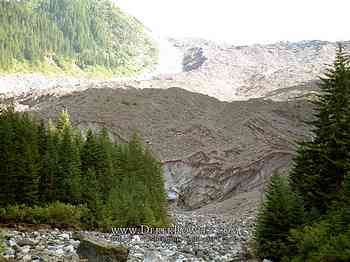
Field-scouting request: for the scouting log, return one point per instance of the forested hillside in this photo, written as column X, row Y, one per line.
column 72, row 36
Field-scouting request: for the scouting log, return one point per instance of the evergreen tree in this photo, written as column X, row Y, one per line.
column 49, row 176
column 114, row 211
column 42, row 139
column 281, row 211
column 69, row 169
column 92, row 197
column 156, row 205
column 321, row 164
column 8, row 178
column 91, row 189
column 104, row 165
column 19, row 152
column 89, row 152
column 64, row 121
column 68, row 175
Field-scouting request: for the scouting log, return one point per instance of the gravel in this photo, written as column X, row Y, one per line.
column 192, row 237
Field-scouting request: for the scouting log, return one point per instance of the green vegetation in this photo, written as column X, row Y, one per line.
column 53, row 174
column 307, row 217
column 58, row 214
column 72, row 36
column 283, row 209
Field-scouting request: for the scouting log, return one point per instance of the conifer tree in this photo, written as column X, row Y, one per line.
column 114, row 210
column 69, row 169
column 104, row 164
column 89, row 152
column 321, row 164
column 19, row 171
column 42, row 138
column 64, row 121
column 281, row 211
column 68, row 177
column 91, row 197
column 49, row 176
column 156, row 205
column 8, row 177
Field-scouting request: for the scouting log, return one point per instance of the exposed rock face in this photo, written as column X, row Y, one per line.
column 243, row 72
column 212, row 150
column 208, row 179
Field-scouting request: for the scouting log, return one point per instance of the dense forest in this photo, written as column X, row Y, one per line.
column 72, row 36
column 306, row 216
column 47, row 170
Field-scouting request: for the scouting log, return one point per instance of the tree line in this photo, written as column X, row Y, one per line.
column 120, row 184
column 306, row 216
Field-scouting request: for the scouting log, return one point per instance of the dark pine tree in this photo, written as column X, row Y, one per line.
column 68, row 176
column 20, row 159
column 321, row 164
column 281, row 211
column 49, row 176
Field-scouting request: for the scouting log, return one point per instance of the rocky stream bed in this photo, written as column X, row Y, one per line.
column 193, row 237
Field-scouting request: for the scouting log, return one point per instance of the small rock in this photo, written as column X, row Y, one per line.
column 40, row 248
column 25, row 249
column 136, row 238
column 9, row 252
column 69, row 249
column 26, row 258
column 36, row 259
column 59, row 252
column 153, row 256
column 11, row 243
column 74, row 243
column 65, row 236
column 25, row 242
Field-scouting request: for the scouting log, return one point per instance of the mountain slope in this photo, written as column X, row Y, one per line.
column 212, row 150
column 280, row 71
column 230, row 72
column 72, row 36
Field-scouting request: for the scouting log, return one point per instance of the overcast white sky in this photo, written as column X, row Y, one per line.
column 245, row 21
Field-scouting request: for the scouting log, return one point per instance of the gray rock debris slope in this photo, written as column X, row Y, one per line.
column 241, row 72
column 212, row 150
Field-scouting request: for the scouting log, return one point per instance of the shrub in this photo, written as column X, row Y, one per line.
column 327, row 239
column 58, row 214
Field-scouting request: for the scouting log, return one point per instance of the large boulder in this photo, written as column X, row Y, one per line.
column 193, row 59
column 101, row 252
